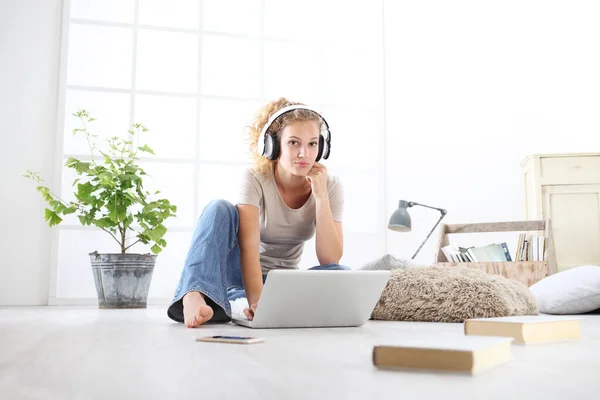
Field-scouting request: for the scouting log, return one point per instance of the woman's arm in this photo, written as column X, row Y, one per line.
column 329, row 235
column 329, row 240
column 249, row 241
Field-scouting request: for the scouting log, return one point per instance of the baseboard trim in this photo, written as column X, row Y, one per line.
column 88, row 301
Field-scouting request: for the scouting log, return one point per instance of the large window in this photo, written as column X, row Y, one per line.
column 194, row 72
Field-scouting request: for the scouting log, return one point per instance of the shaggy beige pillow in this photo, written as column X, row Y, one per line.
column 451, row 294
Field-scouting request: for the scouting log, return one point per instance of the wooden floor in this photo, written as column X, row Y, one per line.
column 85, row 353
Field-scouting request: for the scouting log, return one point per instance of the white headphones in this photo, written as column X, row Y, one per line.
column 268, row 145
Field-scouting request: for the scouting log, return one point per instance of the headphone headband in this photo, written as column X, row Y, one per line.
column 261, row 138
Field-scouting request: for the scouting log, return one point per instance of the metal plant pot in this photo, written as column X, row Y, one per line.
column 122, row 280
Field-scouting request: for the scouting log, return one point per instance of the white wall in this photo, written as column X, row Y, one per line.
column 473, row 87
column 29, row 44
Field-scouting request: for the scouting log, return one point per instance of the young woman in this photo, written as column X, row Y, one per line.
column 285, row 198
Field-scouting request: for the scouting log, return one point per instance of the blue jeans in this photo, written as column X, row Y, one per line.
column 212, row 266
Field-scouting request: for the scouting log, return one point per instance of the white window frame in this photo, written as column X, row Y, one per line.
column 379, row 171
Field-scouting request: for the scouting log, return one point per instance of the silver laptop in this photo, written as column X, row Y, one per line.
column 317, row 299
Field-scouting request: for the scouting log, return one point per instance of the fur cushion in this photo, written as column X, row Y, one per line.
column 389, row 262
column 451, row 294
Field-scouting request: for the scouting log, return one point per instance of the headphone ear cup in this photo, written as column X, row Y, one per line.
column 321, row 148
column 275, row 148
column 268, row 146
column 327, row 148
column 271, row 150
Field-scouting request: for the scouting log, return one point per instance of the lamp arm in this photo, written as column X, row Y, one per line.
column 413, row 203
column 443, row 212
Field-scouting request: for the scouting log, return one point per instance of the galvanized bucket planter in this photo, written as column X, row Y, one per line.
column 122, row 280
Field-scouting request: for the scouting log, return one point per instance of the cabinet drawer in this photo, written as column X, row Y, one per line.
column 570, row 170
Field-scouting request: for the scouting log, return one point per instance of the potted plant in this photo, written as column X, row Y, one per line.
column 110, row 195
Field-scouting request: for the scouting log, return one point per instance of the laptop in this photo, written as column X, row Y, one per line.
column 317, row 299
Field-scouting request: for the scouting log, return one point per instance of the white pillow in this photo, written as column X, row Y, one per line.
column 573, row 291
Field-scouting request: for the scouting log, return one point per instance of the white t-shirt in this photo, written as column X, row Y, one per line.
column 284, row 230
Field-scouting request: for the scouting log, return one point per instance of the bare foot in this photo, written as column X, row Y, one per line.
column 195, row 310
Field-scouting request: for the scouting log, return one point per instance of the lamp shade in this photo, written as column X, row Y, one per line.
column 400, row 219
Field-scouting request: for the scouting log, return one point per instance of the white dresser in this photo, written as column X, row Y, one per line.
column 566, row 189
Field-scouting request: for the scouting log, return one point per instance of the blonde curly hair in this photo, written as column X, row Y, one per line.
column 262, row 164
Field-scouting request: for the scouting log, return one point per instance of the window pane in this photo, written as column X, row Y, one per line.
column 288, row 19
column 230, row 67
column 355, row 137
column 100, row 56
column 171, row 123
column 219, row 182
column 105, row 10
column 309, row 254
column 74, row 269
column 292, row 71
column 361, row 199
column 169, row 13
column 167, row 61
column 353, row 76
column 360, row 24
column 176, row 184
column 67, row 193
column 359, row 249
column 233, row 16
column 223, row 133
column 111, row 111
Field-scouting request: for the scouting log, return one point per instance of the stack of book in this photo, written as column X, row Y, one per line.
column 529, row 248
column 492, row 252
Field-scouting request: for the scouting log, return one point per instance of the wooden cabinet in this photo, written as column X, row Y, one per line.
column 565, row 188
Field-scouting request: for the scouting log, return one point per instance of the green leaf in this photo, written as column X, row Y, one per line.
column 155, row 249
column 79, row 166
column 146, row 149
column 104, row 223
column 69, row 210
column 157, row 233
column 45, row 193
column 84, row 192
column 51, row 217
column 144, row 238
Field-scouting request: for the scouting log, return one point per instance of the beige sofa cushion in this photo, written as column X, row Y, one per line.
column 451, row 294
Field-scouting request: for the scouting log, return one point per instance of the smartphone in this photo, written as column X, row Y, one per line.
column 230, row 339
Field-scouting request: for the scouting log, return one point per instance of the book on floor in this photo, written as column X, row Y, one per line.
column 527, row 329
column 455, row 353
